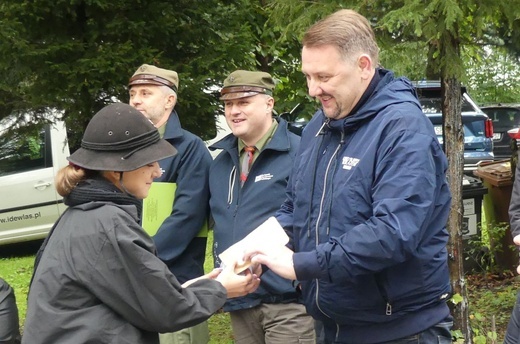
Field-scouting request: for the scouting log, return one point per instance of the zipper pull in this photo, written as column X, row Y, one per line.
column 388, row 309
column 322, row 128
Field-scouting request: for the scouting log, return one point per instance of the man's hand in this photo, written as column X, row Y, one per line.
column 256, row 269
column 280, row 263
column 516, row 240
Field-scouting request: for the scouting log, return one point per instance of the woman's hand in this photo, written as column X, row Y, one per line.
column 238, row 285
column 211, row 275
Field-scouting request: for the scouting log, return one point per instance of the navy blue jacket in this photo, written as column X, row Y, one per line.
column 367, row 207
column 237, row 211
column 178, row 241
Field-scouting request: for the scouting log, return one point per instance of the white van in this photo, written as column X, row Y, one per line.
column 29, row 160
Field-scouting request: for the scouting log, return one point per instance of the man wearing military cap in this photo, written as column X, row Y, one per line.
column 247, row 186
column 181, row 239
column 243, row 84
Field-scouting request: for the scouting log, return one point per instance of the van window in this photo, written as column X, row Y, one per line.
column 23, row 151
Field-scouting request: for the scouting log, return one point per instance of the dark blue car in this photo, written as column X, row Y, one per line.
column 478, row 128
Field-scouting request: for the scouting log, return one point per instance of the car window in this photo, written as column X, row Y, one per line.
column 504, row 118
column 23, row 151
column 473, row 128
column 433, row 105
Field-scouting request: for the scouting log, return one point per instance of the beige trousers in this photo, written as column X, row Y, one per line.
column 280, row 323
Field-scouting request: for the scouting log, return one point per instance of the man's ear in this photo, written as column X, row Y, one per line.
column 171, row 101
column 364, row 62
column 270, row 104
column 365, row 65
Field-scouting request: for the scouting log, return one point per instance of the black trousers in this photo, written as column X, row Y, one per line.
column 9, row 325
column 513, row 328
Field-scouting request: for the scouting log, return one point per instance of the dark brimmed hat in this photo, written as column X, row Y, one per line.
column 151, row 75
column 120, row 138
column 243, row 83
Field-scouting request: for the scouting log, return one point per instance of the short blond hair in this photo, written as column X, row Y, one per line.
column 347, row 30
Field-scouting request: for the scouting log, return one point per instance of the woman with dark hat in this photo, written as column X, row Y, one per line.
column 97, row 278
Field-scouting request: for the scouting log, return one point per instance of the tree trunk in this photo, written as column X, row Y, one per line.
column 454, row 147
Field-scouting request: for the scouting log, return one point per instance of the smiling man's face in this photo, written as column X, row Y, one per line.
column 336, row 82
column 249, row 118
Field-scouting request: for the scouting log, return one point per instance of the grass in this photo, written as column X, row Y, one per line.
column 491, row 295
column 16, row 266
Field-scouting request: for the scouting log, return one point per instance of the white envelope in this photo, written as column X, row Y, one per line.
column 269, row 238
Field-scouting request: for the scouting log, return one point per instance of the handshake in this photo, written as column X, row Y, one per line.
column 268, row 239
column 240, row 267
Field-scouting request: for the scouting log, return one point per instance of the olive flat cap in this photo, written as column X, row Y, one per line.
column 243, row 83
column 151, row 75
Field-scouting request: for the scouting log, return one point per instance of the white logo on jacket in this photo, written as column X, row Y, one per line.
column 266, row 176
column 349, row 162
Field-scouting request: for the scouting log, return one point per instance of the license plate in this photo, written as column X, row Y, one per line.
column 497, row 136
column 438, row 130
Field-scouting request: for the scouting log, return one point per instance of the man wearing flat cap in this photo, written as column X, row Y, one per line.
column 181, row 239
column 247, row 186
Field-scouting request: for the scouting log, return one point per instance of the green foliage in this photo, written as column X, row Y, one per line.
column 456, row 299
column 17, row 271
column 77, row 56
column 493, row 77
column 458, row 337
column 484, row 249
column 220, row 323
column 490, row 312
column 428, row 34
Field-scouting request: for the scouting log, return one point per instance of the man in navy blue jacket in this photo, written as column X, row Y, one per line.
column 368, row 200
column 245, row 191
column 181, row 238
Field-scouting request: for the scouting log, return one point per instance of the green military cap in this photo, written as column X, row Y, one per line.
column 243, row 83
column 151, row 75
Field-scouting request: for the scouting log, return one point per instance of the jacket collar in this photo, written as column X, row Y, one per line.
column 173, row 127
column 279, row 142
column 98, row 191
column 386, row 91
